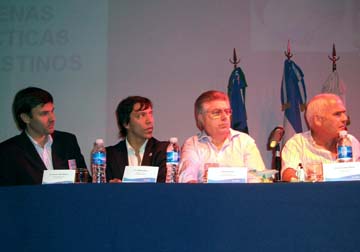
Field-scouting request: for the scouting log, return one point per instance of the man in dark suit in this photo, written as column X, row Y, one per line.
column 138, row 146
column 39, row 147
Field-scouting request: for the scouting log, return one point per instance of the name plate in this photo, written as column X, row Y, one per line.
column 227, row 175
column 58, row 177
column 341, row 171
column 140, row 174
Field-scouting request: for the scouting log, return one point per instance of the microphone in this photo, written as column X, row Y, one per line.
column 275, row 137
column 273, row 144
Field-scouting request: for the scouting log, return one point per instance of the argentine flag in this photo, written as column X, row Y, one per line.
column 236, row 92
column 293, row 98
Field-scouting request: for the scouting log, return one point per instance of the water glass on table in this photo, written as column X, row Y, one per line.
column 206, row 169
column 81, row 176
column 314, row 171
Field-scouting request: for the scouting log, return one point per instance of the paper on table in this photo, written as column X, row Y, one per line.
column 266, row 173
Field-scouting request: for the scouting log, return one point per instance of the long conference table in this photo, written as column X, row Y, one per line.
column 181, row 217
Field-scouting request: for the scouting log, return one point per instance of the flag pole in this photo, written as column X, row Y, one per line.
column 236, row 93
column 234, row 60
column 334, row 58
column 288, row 53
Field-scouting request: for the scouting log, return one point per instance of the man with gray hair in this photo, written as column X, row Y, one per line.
column 216, row 142
column 326, row 116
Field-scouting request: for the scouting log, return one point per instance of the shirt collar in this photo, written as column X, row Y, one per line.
column 49, row 140
column 130, row 148
column 309, row 136
column 204, row 137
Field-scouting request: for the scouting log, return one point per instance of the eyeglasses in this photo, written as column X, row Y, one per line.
column 217, row 113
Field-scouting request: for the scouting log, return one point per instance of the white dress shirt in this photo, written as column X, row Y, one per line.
column 301, row 148
column 238, row 150
column 44, row 153
column 133, row 157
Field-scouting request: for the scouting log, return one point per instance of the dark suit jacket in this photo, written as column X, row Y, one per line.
column 22, row 165
column 154, row 155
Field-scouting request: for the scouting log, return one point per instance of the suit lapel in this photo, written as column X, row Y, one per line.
column 148, row 154
column 122, row 158
column 55, row 149
column 29, row 151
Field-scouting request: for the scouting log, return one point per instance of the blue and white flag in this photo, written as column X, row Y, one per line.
column 236, row 92
column 293, row 98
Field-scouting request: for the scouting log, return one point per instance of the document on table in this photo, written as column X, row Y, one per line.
column 140, row 174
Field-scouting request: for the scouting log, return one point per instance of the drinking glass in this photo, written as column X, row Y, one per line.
column 81, row 176
column 206, row 168
column 314, row 171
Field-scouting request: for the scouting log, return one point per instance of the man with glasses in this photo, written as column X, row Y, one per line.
column 216, row 142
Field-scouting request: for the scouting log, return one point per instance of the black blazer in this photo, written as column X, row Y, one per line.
column 154, row 155
column 22, row 165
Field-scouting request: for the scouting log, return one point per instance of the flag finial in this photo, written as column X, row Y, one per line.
column 235, row 60
column 334, row 58
column 288, row 53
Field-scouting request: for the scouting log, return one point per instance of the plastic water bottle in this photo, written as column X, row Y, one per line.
column 172, row 160
column 98, row 162
column 344, row 147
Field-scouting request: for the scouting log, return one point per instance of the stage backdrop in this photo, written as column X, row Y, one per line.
column 91, row 54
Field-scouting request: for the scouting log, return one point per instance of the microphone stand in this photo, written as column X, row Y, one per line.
column 277, row 163
column 275, row 137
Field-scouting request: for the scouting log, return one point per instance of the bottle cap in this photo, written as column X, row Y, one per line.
column 99, row 141
column 173, row 139
column 342, row 133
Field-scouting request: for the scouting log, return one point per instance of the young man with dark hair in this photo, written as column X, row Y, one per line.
column 137, row 146
column 39, row 147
